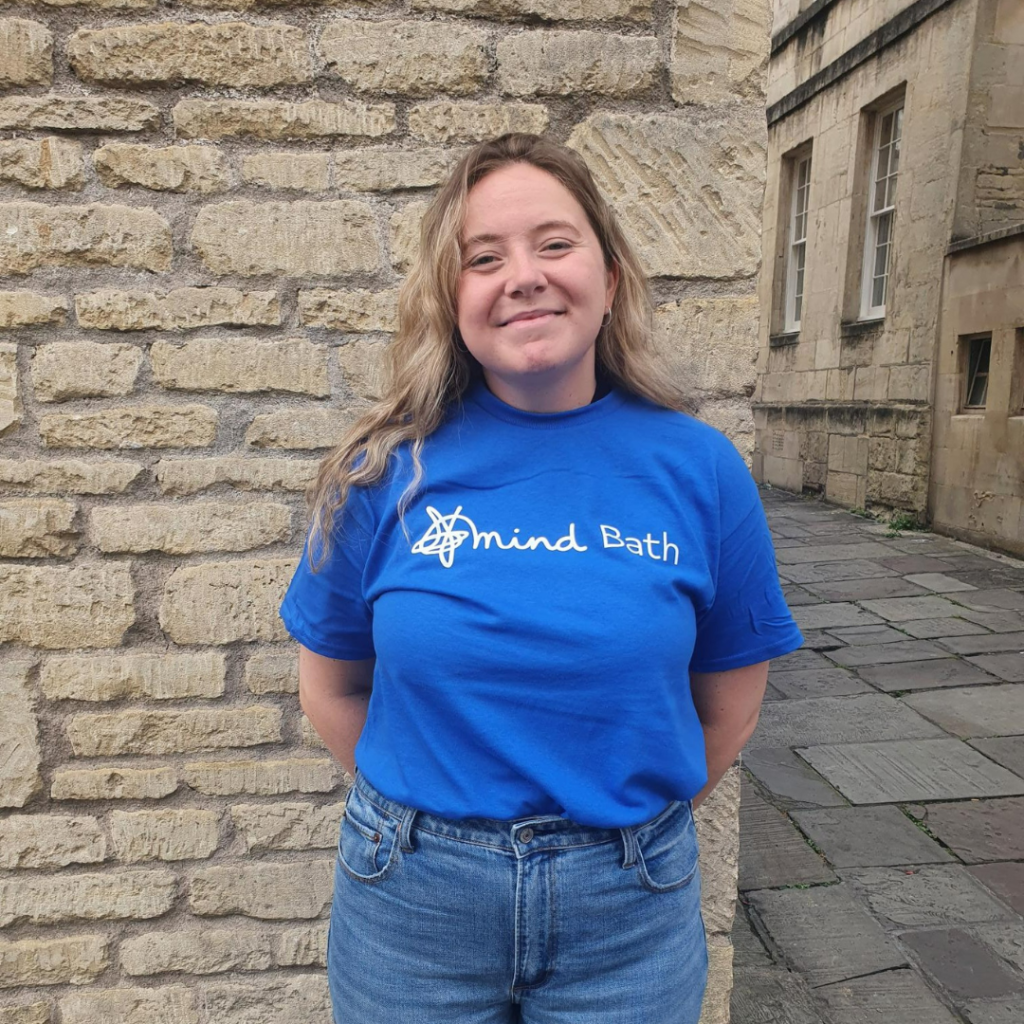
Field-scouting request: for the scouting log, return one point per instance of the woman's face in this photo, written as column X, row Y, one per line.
column 533, row 288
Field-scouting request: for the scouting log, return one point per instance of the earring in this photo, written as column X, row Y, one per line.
column 607, row 318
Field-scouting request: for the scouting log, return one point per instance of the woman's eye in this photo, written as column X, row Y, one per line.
column 479, row 261
column 563, row 245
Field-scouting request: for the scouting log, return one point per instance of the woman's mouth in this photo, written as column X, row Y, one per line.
column 532, row 319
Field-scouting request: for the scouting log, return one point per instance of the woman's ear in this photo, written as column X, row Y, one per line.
column 611, row 282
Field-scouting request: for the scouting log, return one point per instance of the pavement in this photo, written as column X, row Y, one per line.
column 882, row 815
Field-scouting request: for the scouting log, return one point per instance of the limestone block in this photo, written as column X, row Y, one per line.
column 68, row 476
column 719, row 987
column 143, row 426
column 26, row 53
column 732, row 416
column 302, row 997
column 269, row 672
column 85, row 113
column 74, row 960
column 306, row 429
column 385, row 168
column 170, row 1004
column 171, row 732
column 50, row 841
column 304, row 172
column 687, row 187
column 414, row 58
column 113, row 784
column 114, row 895
column 298, row 239
column 444, row 121
column 163, row 835
column 26, row 309
column 164, row 168
column 19, row 736
column 303, row 947
column 178, row 310
column 720, row 51
column 404, row 235
column 357, row 312
column 34, row 528
column 283, row 826
column 42, row 163
column 36, row 235
column 189, row 476
column 90, row 605
column 278, row 119
column 111, row 677
column 10, row 401
column 548, row 10
column 242, row 365
column 261, row 778
column 300, row 889
column 25, row 1013
column 185, row 530
column 551, row 63
column 84, row 369
column 717, row 821
column 233, row 54
column 362, row 362
column 198, row 951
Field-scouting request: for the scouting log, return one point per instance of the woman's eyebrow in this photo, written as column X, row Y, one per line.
column 548, row 225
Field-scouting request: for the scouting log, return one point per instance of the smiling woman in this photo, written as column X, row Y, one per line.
column 531, row 694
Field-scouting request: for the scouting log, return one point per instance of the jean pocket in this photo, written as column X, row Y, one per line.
column 667, row 849
column 367, row 841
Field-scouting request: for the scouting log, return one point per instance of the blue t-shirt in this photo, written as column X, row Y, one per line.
column 564, row 573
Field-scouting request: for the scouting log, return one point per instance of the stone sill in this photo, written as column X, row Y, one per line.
column 783, row 338
column 861, row 328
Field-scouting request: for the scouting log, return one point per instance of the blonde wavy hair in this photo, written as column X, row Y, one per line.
column 427, row 366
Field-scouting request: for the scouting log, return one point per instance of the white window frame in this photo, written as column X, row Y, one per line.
column 881, row 221
column 796, row 247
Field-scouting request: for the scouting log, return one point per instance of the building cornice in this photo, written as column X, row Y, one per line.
column 1013, row 231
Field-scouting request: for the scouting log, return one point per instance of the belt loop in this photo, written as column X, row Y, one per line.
column 405, row 830
column 629, row 845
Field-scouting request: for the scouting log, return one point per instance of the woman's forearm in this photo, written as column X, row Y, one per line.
column 339, row 722
column 721, row 749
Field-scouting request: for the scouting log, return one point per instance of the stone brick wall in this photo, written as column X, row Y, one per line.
column 206, row 208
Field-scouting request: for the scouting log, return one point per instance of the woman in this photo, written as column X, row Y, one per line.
column 535, row 609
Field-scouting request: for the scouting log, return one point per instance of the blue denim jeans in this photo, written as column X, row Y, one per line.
column 538, row 920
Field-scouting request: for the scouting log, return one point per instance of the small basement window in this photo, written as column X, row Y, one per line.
column 978, row 352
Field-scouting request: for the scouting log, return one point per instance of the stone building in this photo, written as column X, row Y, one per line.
column 891, row 367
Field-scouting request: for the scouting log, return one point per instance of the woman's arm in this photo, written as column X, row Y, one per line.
column 334, row 695
column 728, row 705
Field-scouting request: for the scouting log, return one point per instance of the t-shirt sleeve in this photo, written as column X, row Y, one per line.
column 326, row 611
column 747, row 621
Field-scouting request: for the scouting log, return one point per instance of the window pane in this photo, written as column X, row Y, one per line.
column 977, row 372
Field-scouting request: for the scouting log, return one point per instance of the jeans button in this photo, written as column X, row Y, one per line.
column 526, row 835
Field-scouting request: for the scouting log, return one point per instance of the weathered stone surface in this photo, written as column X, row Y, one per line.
column 113, row 784
column 42, row 163
column 974, row 710
column 37, row 528
column 930, row 629
column 864, row 589
column 812, row 682
column 10, row 401
column 549, row 10
column 36, row 235
column 221, row 602
column 868, row 837
column 552, row 63
column 858, row 569
column 84, row 369
column 309, row 735
column 242, row 365
column 68, row 476
column 19, row 736
column 74, row 960
column 198, row 951
column 27, row 309
column 1006, row 750
column 983, row 644
column 283, row 826
column 177, row 310
column 298, row 239
column 720, row 51
column 53, row 898
column 92, row 113
column 1009, row 666
column 159, row 676
column 171, row 732
column 775, row 995
column 268, row 891
column 965, row 967
column 26, row 53
column 1005, row 880
column 718, row 836
column 261, row 778
column 676, row 180
column 892, row 995
column 163, row 835
column 444, row 121
column 25, row 1013
column 886, row 654
column 789, row 780
column 90, row 605
column 836, row 614
column 50, row 841
column 387, row 168
column 304, row 429
column 711, row 343
column 234, row 54
column 171, row 1004
column 414, row 58
column 166, row 168
column 980, row 830
column 903, row 609
column 302, row 997
column 272, row 673
column 362, row 363
column 143, row 426
column 357, row 312
column 303, row 947
column 404, row 235
column 939, row 582
column 923, row 675
column 279, row 120
column 189, row 476
column 305, row 172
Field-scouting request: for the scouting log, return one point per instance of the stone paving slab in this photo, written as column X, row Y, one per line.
column 908, row 564
column 930, row 629
column 995, row 1011
column 990, row 643
column 886, row 654
column 821, row 720
column 906, row 770
column 796, row 596
column 862, row 589
column 962, row 964
column 819, row 640
column 996, row 599
column 974, row 710
column 772, row 996
column 862, row 837
column 830, row 572
column 839, row 613
column 825, row 933
column 791, row 782
column 899, row 997
column 860, row 636
column 800, row 658
column 997, row 621
column 980, row 831
column 939, row 582
column 1009, row 666
column 810, row 682
column 823, row 553
column 924, row 675
column 928, row 897
column 1005, row 880
column 1005, row 750
column 1006, row 938
column 747, row 948
column 904, row 609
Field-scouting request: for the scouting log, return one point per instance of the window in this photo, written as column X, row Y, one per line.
column 977, row 353
column 885, row 163
column 796, row 257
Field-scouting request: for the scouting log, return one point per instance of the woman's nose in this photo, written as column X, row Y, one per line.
column 525, row 274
